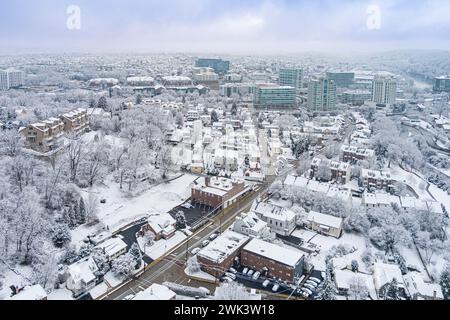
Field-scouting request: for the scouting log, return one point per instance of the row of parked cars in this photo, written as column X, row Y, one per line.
column 309, row 287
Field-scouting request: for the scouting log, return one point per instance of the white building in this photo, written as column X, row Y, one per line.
column 384, row 90
column 112, row 248
column 325, row 224
column 155, row 292
column 281, row 220
column 250, row 225
column 81, row 276
column 11, row 79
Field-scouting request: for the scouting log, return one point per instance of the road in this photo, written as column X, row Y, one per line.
column 171, row 266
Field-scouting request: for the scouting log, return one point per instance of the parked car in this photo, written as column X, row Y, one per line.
column 244, row 272
column 213, row 236
column 256, row 275
column 195, row 251
column 318, row 281
column 205, row 243
column 233, row 270
column 266, row 283
column 227, row 279
column 312, row 283
column 250, row 272
column 306, row 291
column 275, row 287
column 308, row 286
column 230, row 275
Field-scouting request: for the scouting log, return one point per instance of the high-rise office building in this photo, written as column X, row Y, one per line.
column 271, row 95
column 220, row 66
column 384, row 90
column 291, row 77
column 441, row 84
column 341, row 79
column 11, row 79
column 321, row 95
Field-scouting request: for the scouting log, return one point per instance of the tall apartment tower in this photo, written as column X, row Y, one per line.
column 11, row 79
column 321, row 95
column 291, row 77
column 384, row 90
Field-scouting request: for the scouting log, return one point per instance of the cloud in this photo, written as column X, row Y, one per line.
column 245, row 26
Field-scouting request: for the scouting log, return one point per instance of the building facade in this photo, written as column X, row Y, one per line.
column 321, row 95
column 384, row 90
column 218, row 192
column 220, row 66
column 278, row 262
column 291, row 78
column 274, row 96
column 11, row 79
column 341, row 79
column 441, row 84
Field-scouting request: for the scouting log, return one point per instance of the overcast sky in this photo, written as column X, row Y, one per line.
column 223, row 26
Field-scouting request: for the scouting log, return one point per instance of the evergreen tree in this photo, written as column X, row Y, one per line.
column 138, row 99
column 102, row 103
column 234, row 109
column 392, row 291
column 60, row 235
column 445, row 282
column 329, row 290
column 180, row 220
column 136, row 253
column 81, row 214
column 214, row 116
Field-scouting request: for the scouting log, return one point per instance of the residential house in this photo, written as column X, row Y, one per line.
column 279, row 219
column 325, row 224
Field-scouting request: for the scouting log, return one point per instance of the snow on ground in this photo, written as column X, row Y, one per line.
column 200, row 275
column 412, row 258
column 60, row 294
column 306, row 235
column 416, row 183
column 161, row 247
column 121, row 209
column 440, row 195
column 326, row 243
column 11, row 278
column 98, row 290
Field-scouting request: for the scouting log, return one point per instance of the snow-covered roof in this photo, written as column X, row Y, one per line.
column 415, row 284
column 155, row 292
column 384, row 273
column 343, row 278
column 283, row 255
column 223, row 246
column 35, row 292
column 272, row 211
column 83, row 270
column 324, row 219
column 112, row 246
column 161, row 222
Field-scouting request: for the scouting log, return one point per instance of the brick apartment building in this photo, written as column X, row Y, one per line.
column 376, row 179
column 46, row 135
column 219, row 255
column 340, row 171
column 353, row 154
column 219, row 192
column 279, row 262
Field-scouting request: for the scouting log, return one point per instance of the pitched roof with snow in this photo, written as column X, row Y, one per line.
column 325, row 219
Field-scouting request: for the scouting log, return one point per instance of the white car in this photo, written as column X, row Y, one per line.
column 250, row 272
column 230, row 275
column 266, row 283
column 233, row 270
column 205, row 243
column 275, row 287
column 312, row 283
column 308, row 286
column 227, row 279
column 244, row 272
column 315, row 280
column 213, row 236
column 195, row 251
column 256, row 275
column 306, row 291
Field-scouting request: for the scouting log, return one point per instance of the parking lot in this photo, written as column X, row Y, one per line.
column 283, row 287
column 192, row 212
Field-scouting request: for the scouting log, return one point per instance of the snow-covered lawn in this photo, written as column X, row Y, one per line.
column 440, row 195
column 347, row 239
column 60, row 294
column 121, row 209
column 200, row 275
column 11, row 278
column 161, row 247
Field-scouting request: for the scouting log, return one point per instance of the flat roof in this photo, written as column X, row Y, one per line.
column 223, row 246
column 274, row 252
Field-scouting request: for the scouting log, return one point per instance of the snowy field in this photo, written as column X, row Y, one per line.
column 417, row 184
column 121, row 209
